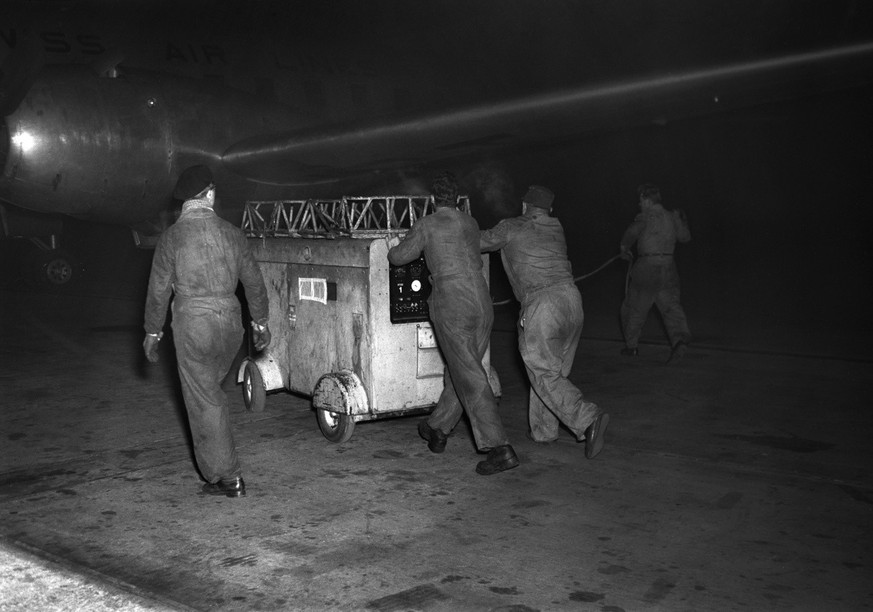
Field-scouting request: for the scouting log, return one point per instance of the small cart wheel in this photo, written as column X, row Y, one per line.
column 254, row 393
column 336, row 398
column 335, row 426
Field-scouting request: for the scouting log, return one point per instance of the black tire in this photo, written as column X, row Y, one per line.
column 336, row 427
column 254, row 393
column 54, row 268
column 58, row 270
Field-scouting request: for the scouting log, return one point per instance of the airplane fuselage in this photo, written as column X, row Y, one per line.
column 117, row 109
column 106, row 103
column 117, row 165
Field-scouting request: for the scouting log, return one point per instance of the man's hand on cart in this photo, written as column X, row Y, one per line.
column 261, row 336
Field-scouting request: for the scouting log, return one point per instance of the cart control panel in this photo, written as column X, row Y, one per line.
column 409, row 290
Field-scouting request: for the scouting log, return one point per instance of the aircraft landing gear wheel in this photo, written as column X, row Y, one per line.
column 254, row 393
column 58, row 271
column 52, row 268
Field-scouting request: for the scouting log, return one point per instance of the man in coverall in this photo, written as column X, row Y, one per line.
column 200, row 259
column 534, row 253
column 654, row 277
column 462, row 315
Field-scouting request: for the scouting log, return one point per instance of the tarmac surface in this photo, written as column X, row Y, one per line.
column 732, row 480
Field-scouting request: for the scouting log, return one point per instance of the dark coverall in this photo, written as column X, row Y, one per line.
column 462, row 315
column 654, row 277
column 534, row 254
column 200, row 259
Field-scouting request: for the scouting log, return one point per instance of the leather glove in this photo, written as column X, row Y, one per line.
column 261, row 337
column 150, row 347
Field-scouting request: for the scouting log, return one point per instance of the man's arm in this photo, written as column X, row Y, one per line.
column 410, row 247
column 160, row 286
column 158, row 297
column 495, row 238
column 253, row 282
column 256, row 295
column 632, row 233
column 683, row 232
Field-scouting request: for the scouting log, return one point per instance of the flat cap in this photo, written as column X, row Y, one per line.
column 538, row 196
column 192, row 181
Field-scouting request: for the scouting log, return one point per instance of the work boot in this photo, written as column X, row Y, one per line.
column 678, row 352
column 436, row 440
column 594, row 435
column 629, row 351
column 499, row 458
column 231, row 487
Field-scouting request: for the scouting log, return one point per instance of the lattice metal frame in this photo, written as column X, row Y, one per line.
column 354, row 216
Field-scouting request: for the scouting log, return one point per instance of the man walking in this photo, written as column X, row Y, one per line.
column 534, row 253
column 462, row 315
column 654, row 276
column 200, row 260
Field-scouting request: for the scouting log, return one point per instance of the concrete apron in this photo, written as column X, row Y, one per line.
column 728, row 481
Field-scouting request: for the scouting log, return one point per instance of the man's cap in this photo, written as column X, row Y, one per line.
column 445, row 189
column 539, row 196
column 192, row 181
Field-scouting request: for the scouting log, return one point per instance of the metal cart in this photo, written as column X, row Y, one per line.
column 348, row 329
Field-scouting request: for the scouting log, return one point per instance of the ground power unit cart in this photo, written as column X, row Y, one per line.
column 348, row 329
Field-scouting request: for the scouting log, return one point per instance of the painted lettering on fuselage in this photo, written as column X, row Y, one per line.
column 57, row 42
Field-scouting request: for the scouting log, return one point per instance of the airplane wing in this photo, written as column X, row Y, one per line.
column 325, row 154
